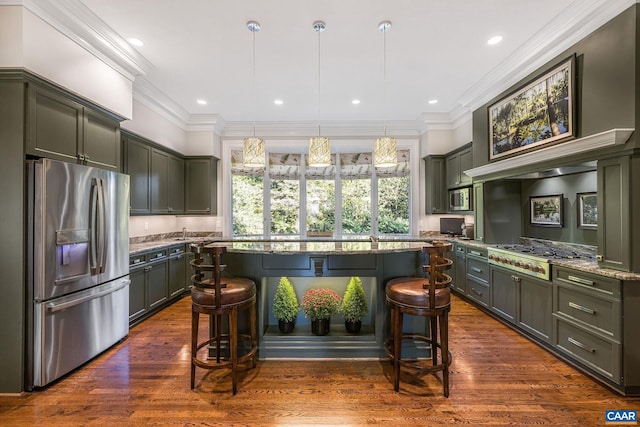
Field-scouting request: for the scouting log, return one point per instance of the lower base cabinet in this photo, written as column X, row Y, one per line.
column 504, row 295
column 157, row 279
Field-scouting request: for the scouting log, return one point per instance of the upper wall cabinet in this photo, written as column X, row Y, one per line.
column 61, row 128
column 435, row 191
column 164, row 182
column 457, row 162
column 201, row 185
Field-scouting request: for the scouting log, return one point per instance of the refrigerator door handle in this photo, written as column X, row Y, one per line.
column 53, row 307
column 102, row 227
column 93, row 226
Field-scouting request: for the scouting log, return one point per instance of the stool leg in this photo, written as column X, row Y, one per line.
column 233, row 347
column 444, row 349
column 434, row 339
column 194, row 344
column 254, row 333
column 217, row 324
column 397, row 348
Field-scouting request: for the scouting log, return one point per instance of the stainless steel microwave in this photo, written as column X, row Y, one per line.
column 460, row 199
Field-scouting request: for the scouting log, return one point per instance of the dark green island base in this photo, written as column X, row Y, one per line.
column 326, row 264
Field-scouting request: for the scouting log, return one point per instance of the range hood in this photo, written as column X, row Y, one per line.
column 576, row 146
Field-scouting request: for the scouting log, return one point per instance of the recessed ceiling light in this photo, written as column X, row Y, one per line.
column 278, row 102
column 136, row 42
column 433, row 101
column 202, row 101
column 355, row 102
column 494, row 40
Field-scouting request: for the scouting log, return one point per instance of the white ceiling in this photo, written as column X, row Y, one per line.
column 436, row 49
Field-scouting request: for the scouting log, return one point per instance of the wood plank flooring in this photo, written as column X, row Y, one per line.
column 497, row 378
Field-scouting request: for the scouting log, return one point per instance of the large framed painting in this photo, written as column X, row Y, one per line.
column 546, row 211
column 588, row 210
column 538, row 114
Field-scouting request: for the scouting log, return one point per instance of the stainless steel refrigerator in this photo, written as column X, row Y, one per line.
column 78, row 266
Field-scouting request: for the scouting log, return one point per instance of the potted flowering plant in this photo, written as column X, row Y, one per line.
column 354, row 305
column 318, row 305
column 285, row 306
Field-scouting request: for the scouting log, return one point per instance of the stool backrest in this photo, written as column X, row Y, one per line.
column 208, row 275
column 435, row 268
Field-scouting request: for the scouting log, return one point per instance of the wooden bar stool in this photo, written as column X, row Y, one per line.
column 221, row 299
column 429, row 297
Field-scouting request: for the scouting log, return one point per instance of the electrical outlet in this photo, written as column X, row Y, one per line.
column 146, row 226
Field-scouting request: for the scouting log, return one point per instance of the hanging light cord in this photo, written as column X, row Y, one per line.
column 319, row 31
column 253, row 83
column 384, row 76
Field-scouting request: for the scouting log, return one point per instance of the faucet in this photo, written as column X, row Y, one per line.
column 184, row 233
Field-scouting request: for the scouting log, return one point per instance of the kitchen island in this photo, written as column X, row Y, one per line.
column 325, row 264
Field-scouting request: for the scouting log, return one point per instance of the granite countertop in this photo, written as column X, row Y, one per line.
column 350, row 247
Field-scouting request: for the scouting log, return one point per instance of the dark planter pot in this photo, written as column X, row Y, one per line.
column 320, row 326
column 353, row 327
column 286, row 326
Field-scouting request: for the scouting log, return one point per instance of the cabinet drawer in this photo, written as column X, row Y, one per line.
column 596, row 312
column 176, row 250
column 137, row 260
column 157, row 255
column 478, row 268
column 479, row 252
column 597, row 353
column 478, row 291
column 600, row 284
column 459, row 249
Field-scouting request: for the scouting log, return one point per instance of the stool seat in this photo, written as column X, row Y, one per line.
column 236, row 291
column 410, row 292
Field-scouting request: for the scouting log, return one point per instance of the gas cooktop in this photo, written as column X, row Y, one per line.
column 545, row 251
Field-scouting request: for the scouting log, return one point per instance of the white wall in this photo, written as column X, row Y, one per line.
column 158, row 224
column 151, row 125
column 30, row 43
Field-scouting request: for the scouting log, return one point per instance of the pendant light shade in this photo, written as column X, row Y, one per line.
column 319, row 148
column 384, row 149
column 319, row 152
column 253, row 153
column 385, row 154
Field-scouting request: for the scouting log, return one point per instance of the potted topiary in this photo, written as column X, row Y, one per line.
column 318, row 305
column 354, row 305
column 285, row 306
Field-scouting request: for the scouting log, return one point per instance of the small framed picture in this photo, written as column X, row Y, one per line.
column 546, row 211
column 587, row 210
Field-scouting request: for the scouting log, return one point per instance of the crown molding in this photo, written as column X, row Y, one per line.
column 73, row 19
column 332, row 129
column 566, row 29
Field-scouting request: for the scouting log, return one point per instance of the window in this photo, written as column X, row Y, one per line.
column 350, row 197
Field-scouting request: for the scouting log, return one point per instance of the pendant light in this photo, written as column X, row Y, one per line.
column 319, row 149
column 385, row 149
column 253, row 154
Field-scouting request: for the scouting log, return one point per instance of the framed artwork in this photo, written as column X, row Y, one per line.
column 587, row 210
column 546, row 211
column 535, row 115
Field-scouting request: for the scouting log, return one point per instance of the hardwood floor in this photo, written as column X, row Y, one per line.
column 497, row 378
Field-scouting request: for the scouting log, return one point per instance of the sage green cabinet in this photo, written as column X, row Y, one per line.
column 157, row 278
column 460, row 265
column 137, row 288
column 478, row 211
column 477, row 273
column 535, row 306
column 177, row 271
column 504, row 293
column 614, row 214
column 61, row 128
column 587, row 318
column 435, row 188
column 137, row 163
column 201, row 185
column 456, row 163
column 167, row 183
